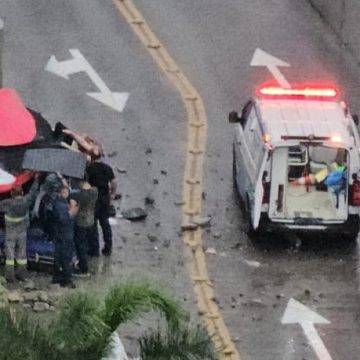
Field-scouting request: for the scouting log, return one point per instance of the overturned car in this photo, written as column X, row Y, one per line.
column 28, row 144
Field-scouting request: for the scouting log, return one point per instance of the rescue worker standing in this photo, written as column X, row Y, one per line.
column 102, row 177
column 17, row 221
column 86, row 199
column 63, row 216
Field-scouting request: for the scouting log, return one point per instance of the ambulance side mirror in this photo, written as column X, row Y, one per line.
column 234, row 117
column 356, row 119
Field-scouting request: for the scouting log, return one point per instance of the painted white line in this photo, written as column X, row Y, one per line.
column 262, row 58
column 78, row 63
column 297, row 313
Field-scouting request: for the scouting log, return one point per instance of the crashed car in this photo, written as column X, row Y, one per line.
column 28, row 144
column 296, row 161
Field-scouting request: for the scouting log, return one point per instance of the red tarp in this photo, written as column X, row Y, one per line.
column 17, row 126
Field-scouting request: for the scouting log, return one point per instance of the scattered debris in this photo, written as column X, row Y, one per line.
column 256, row 302
column 149, row 200
column 307, row 292
column 112, row 154
column 217, row 235
column 121, row 171
column 148, row 150
column 152, row 238
column 163, row 172
column 203, row 195
column 134, row 214
column 117, row 196
column 203, row 222
column 179, row 203
column 252, row 263
column 166, row 243
column 211, row 251
column 155, row 181
column 189, row 227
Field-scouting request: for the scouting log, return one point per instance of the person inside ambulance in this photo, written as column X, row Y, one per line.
column 325, row 166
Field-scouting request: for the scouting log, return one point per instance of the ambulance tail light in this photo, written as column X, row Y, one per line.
column 298, row 92
column 354, row 191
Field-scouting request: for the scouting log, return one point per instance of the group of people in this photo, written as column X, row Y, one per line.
column 68, row 212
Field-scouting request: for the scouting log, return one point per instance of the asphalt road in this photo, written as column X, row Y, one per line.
column 213, row 42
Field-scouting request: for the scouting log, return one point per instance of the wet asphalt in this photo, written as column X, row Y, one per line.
column 213, row 42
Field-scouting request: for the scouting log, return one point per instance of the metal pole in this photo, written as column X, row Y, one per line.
column 1, row 50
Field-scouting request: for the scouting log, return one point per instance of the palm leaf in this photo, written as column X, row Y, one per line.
column 130, row 300
column 79, row 329
column 177, row 344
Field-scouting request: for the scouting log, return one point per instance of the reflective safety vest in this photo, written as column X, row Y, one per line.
column 11, row 219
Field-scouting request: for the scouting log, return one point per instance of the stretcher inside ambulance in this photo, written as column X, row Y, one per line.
column 316, row 182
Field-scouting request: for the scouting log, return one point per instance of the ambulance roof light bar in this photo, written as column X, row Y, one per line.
column 300, row 91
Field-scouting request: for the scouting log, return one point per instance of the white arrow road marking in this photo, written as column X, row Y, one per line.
column 78, row 63
column 117, row 349
column 261, row 58
column 297, row 313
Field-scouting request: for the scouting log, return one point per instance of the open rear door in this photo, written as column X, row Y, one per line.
column 279, row 178
column 259, row 192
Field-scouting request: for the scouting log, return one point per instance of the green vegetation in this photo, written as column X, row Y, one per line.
column 82, row 329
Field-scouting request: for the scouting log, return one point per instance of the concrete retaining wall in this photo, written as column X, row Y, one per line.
column 343, row 16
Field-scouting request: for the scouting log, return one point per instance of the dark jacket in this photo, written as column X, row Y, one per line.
column 63, row 223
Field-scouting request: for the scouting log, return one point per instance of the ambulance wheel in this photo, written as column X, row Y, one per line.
column 351, row 237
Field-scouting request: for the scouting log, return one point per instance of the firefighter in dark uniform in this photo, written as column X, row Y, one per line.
column 64, row 212
column 17, row 221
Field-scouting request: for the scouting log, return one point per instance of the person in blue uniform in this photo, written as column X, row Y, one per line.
column 64, row 212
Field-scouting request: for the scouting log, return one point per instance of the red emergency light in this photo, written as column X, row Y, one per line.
column 298, row 92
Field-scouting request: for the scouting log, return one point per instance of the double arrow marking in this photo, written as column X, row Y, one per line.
column 78, row 63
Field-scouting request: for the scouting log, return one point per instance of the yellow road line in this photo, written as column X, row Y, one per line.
column 193, row 178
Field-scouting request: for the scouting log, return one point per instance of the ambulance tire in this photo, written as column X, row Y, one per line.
column 350, row 238
column 250, row 231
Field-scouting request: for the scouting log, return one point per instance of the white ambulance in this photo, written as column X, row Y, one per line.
column 296, row 161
